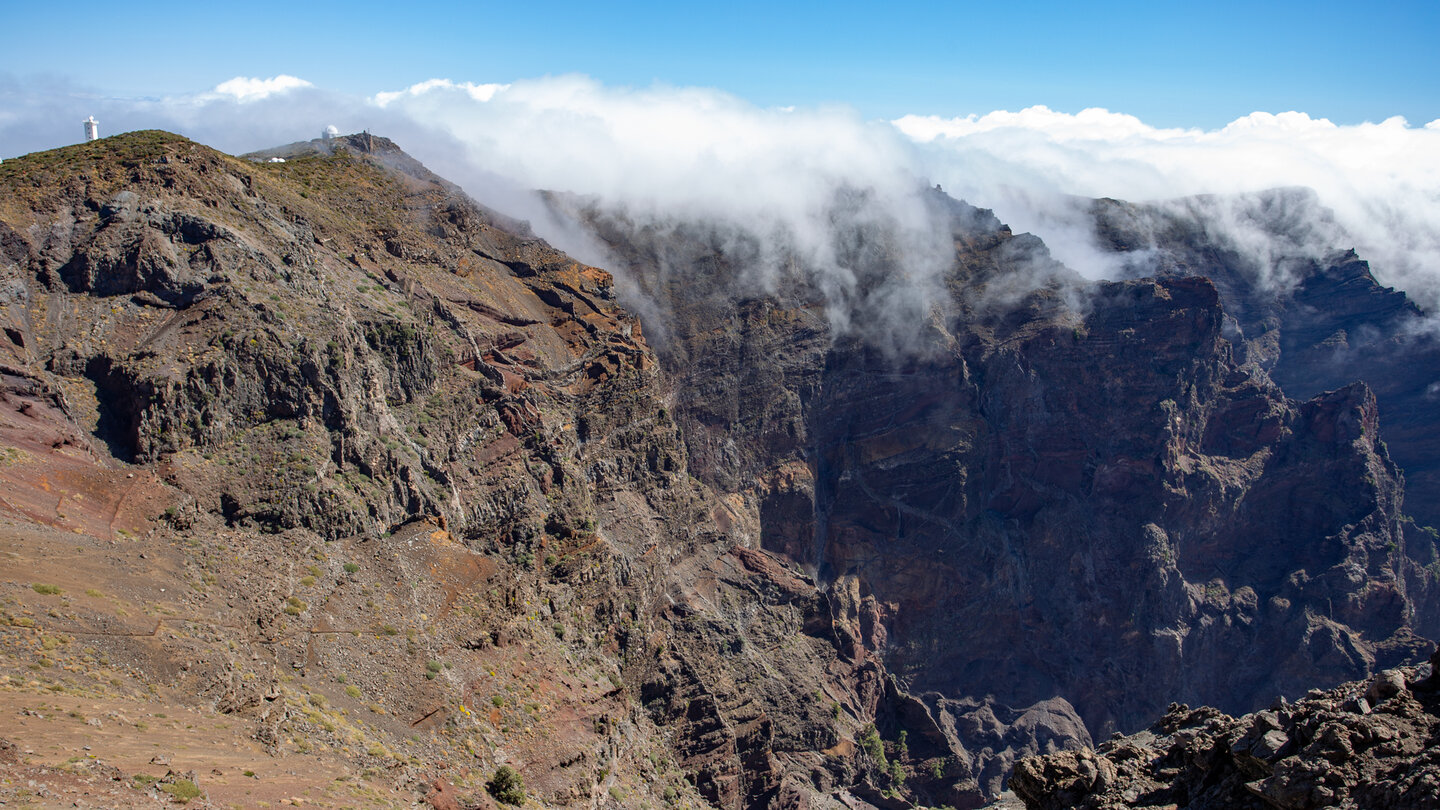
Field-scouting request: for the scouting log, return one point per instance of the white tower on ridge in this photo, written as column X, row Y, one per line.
column 92, row 128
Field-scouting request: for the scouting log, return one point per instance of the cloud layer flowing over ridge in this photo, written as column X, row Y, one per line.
column 785, row 188
column 700, row 153
column 1382, row 180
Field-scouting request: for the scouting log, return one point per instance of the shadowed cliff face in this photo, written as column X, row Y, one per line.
column 1067, row 491
column 1312, row 316
column 1315, row 319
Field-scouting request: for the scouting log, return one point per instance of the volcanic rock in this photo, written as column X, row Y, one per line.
column 1308, row 754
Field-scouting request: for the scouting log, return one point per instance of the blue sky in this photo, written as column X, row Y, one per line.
column 1170, row 63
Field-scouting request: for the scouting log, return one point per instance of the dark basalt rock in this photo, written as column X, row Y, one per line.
column 1360, row 745
column 1316, row 321
column 1074, row 489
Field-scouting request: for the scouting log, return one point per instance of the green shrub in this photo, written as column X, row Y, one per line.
column 507, row 786
column 897, row 773
column 351, row 568
column 182, row 789
column 51, row 590
column 870, row 741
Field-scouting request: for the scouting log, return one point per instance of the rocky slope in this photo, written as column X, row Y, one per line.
column 367, row 481
column 1361, row 745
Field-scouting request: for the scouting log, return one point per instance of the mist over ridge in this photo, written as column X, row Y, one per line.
column 668, row 155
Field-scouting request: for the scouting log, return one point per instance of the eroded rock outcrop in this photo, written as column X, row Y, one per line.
column 1366, row 744
column 1307, row 310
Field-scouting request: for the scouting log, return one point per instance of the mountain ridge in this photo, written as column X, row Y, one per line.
column 731, row 591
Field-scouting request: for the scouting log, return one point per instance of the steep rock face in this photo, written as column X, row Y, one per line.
column 1058, row 519
column 399, row 341
column 1314, row 317
column 1059, row 491
column 428, row 490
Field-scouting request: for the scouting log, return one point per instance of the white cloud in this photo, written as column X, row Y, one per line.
column 243, row 88
column 704, row 154
column 676, row 152
column 1088, row 124
column 1381, row 179
column 667, row 155
column 477, row 92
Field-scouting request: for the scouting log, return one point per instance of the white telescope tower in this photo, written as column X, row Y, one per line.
column 92, row 128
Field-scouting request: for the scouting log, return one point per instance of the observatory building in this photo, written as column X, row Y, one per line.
column 92, row 128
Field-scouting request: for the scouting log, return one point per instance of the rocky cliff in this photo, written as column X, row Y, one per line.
column 336, row 487
column 1307, row 310
column 1069, row 503
column 1311, row 314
